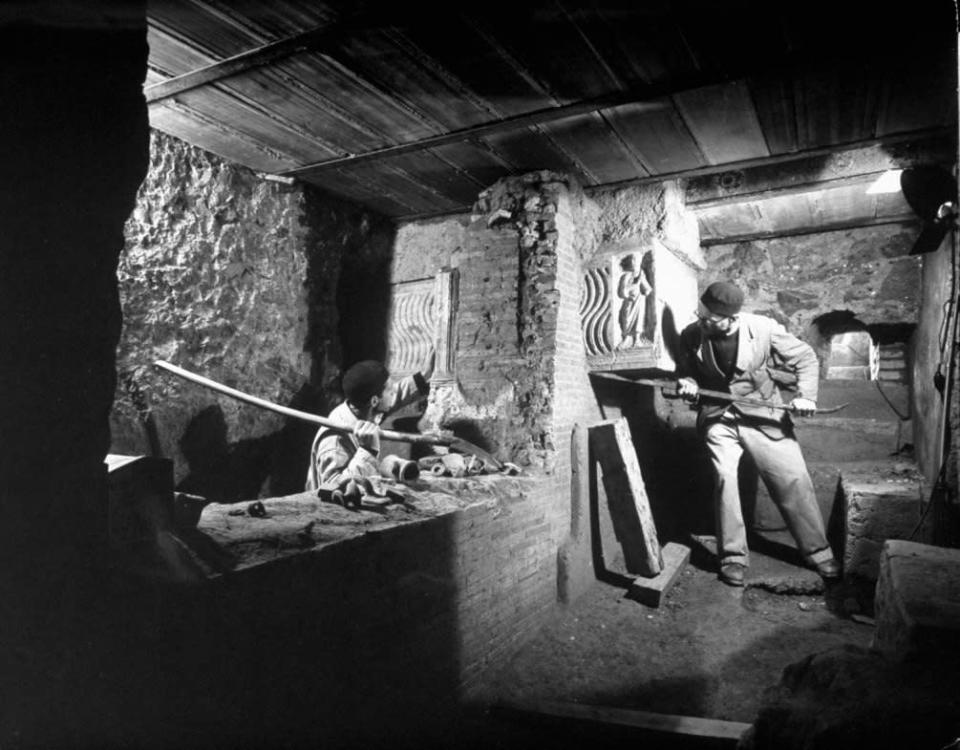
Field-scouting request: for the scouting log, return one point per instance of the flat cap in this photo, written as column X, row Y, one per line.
column 364, row 380
column 723, row 298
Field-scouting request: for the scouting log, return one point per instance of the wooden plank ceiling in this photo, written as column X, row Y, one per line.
column 412, row 111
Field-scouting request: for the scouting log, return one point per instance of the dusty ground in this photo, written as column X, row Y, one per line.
column 708, row 650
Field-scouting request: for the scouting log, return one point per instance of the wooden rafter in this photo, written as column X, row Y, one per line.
column 761, row 161
column 242, row 62
column 538, row 117
column 834, row 226
column 746, row 164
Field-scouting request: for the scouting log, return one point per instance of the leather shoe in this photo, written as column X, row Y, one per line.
column 828, row 568
column 732, row 573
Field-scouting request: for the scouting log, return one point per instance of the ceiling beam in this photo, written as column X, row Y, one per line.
column 652, row 98
column 811, row 186
column 242, row 62
column 762, row 161
column 304, row 41
column 540, row 116
column 836, row 226
column 704, row 204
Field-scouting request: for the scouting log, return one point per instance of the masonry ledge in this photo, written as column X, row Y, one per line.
column 302, row 524
column 919, row 601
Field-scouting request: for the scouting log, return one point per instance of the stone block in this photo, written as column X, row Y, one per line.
column 878, row 504
column 651, row 591
column 918, row 602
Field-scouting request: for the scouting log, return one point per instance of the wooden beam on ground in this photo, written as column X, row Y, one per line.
column 652, row 591
column 646, row 720
column 613, row 449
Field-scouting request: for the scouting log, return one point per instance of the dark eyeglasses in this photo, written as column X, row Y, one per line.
column 715, row 318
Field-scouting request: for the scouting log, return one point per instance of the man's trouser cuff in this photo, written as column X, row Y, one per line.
column 820, row 556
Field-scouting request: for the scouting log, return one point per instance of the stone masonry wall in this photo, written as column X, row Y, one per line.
column 234, row 278
column 211, row 280
column 868, row 271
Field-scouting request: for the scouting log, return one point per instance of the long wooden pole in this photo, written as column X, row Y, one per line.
column 403, row 437
column 670, row 385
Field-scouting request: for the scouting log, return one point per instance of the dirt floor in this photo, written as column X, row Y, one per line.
column 709, row 650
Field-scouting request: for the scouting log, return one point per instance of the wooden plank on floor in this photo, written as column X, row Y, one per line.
column 651, row 591
column 667, row 723
column 633, row 524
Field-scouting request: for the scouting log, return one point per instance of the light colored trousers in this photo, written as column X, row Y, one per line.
column 784, row 472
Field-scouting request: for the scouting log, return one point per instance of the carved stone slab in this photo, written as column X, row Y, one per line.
column 618, row 311
column 633, row 523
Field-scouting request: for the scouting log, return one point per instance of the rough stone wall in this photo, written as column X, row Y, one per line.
column 654, row 210
column 868, row 271
column 931, row 361
column 211, row 279
column 424, row 247
column 234, row 278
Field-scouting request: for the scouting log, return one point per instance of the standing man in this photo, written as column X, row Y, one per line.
column 370, row 396
column 730, row 351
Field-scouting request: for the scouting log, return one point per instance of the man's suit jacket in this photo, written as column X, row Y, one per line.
column 765, row 348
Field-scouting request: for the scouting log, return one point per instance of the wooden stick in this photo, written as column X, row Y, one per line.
column 403, row 437
column 693, row 726
column 670, row 385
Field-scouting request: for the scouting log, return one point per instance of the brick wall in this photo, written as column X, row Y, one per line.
column 379, row 636
column 521, row 387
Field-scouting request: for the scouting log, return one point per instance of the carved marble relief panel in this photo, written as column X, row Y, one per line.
column 618, row 310
column 412, row 325
column 422, row 321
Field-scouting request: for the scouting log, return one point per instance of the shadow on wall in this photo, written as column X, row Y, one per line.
column 349, row 253
column 363, row 300
column 673, row 461
column 669, row 333
column 363, row 297
column 220, row 472
column 268, row 466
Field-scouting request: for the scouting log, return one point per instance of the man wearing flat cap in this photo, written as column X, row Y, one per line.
column 742, row 354
column 370, row 396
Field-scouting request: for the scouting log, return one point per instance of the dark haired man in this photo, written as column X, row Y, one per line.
column 726, row 350
column 370, row 396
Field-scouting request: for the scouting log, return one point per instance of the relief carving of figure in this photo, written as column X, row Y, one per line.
column 632, row 288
